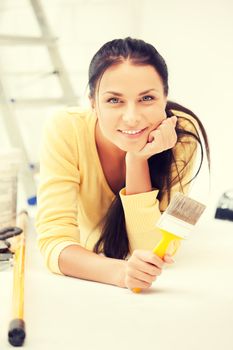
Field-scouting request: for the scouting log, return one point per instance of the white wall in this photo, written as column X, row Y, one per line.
column 195, row 38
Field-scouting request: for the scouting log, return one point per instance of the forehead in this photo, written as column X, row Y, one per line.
column 127, row 76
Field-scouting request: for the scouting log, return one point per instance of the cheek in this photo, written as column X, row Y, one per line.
column 108, row 120
column 156, row 114
column 107, row 127
column 104, row 126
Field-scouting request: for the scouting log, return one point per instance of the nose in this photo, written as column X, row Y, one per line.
column 131, row 115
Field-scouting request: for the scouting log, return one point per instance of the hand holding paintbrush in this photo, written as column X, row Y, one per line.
column 143, row 268
column 175, row 224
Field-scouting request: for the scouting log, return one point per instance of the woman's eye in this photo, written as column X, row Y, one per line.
column 113, row 100
column 148, row 98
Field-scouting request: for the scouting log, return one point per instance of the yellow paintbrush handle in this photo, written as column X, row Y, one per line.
column 16, row 333
column 165, row 243
column 161, row 248
column 18, row 271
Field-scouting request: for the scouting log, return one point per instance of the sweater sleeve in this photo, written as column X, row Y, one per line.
column 141, row 213
column 56, row 218
column 143, row 210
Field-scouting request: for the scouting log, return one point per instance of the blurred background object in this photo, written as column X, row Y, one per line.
column 224, row 209
column 9, row 104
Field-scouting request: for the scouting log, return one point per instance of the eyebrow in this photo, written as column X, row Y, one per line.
column 119, row 94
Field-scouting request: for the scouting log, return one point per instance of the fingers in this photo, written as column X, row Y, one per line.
column 160, row 139
column 165, row 134
column 143, row 268
column 151, row 137
column 173, row 119
column 141, row 276
column 143, row 271
column 168, row 259
column 148, row 257
column 170, row 121
column 168, row 133
column 155, row 137
column 133, row 283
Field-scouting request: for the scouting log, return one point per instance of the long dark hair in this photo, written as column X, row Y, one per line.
column 113, row 241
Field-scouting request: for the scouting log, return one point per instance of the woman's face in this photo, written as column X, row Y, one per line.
column 129, row 104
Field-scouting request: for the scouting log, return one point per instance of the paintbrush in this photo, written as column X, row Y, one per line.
column 176, row 223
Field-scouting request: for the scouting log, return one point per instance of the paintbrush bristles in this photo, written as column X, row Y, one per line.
column 185, row 208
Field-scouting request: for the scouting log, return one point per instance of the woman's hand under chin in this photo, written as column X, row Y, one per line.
column 159, row 139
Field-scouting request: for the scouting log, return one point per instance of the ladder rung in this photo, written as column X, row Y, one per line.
column 9, row 40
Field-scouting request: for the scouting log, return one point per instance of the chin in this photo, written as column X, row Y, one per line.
column 132, row 147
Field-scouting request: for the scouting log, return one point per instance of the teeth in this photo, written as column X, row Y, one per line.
column 131, row 132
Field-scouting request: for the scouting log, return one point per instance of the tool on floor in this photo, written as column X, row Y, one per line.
column 17, row 333
column 6, row 254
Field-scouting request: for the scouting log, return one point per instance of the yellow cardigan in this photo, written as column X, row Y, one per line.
column 74, row 196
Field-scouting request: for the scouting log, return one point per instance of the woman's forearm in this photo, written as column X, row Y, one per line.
column 79, row 262
column 137, row 175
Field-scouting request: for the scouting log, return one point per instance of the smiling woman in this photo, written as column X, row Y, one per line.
column 109, row 172
column 132, row 114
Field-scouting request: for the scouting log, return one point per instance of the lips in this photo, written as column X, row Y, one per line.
column 132, row 132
